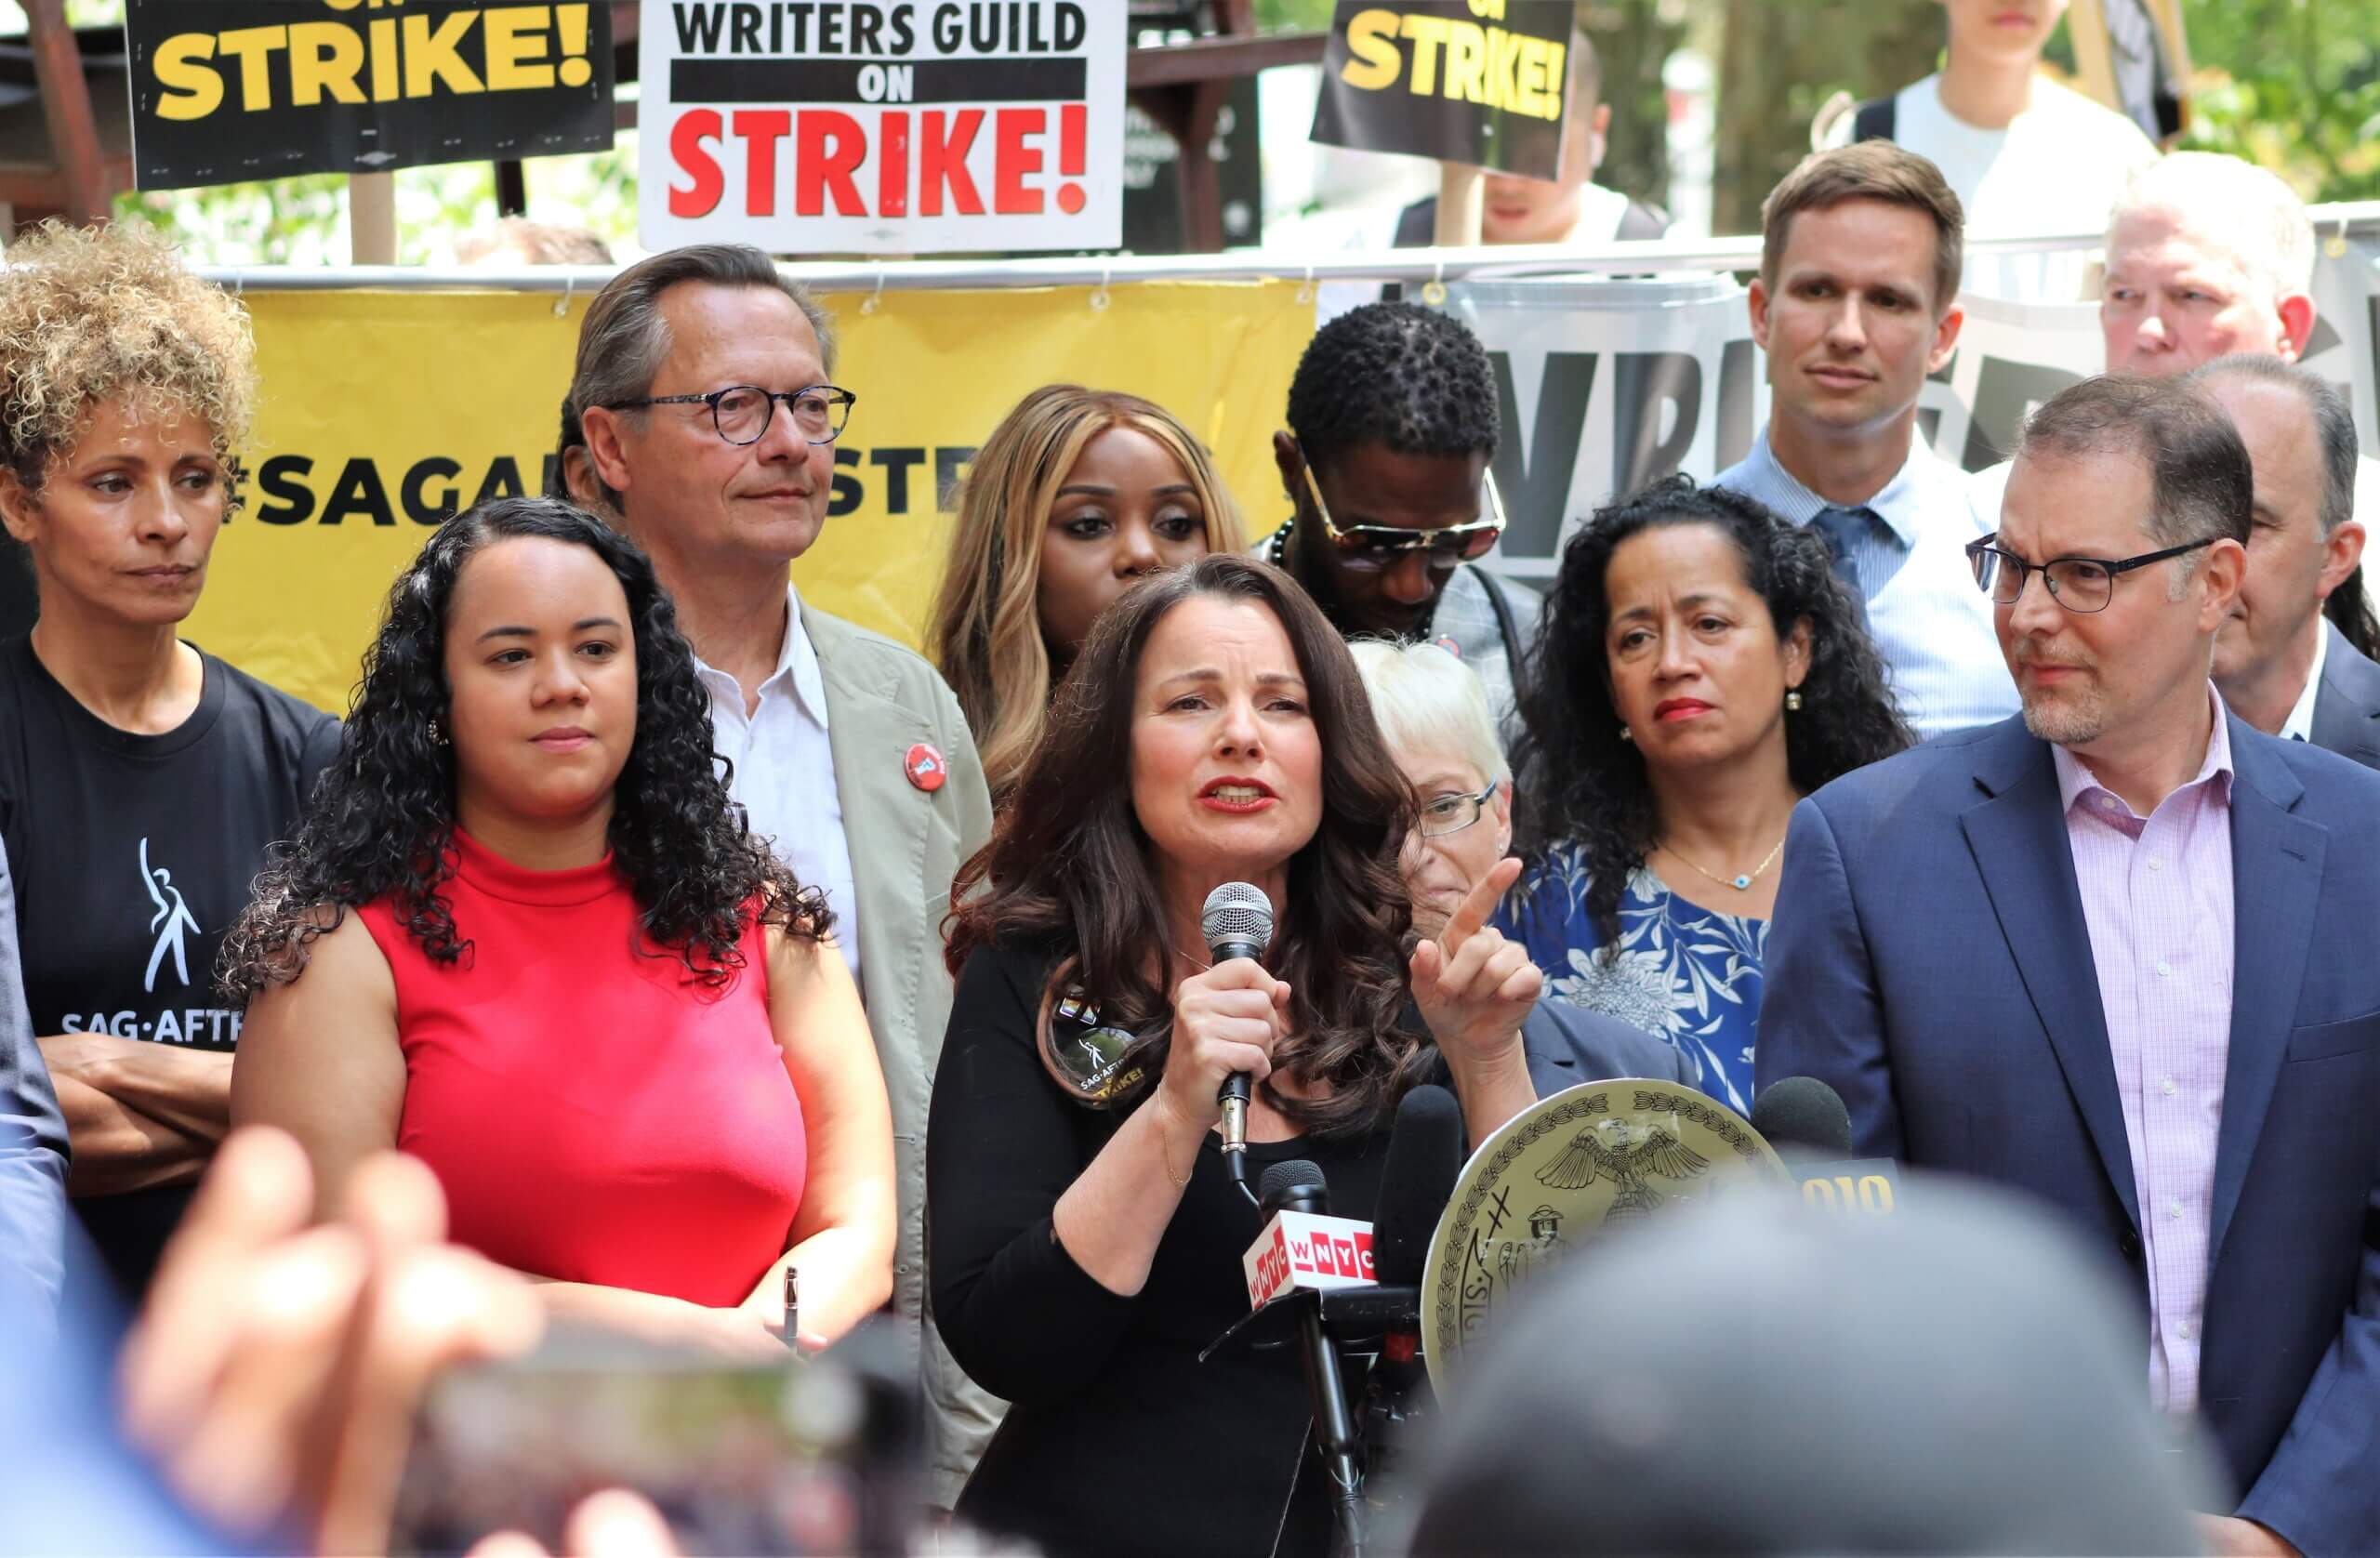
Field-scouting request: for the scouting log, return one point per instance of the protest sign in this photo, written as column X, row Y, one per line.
column 1603, row 387
column 227, row 90
column 351, row 464
column 1484, row 82
column 900, row 128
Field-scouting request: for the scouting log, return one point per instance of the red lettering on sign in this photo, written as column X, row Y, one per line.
column 1072, row 119
column 892, row 165
column 761, row 129
column 1345, row 1251
column 818, row 169
column 686, row 137
column 1012, row 159
column 942, row 159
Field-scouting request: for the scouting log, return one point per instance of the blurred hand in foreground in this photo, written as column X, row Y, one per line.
column 276, row 1367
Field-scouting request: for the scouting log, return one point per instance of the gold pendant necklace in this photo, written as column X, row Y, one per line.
column 1743, row 882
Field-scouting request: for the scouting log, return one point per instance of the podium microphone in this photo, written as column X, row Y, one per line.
column 1424, row 1161
column 1237, row 922
column 1297, row 1186
column 1803, row 1118
column 1807, row 1122
column 1418, row 1180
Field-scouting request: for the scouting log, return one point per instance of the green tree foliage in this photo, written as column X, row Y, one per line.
column 2294, row 84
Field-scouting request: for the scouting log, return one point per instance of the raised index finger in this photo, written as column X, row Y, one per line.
column 1479, row 904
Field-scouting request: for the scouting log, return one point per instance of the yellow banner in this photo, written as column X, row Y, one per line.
column 383, row 412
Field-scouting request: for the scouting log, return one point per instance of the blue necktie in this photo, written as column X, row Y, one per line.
column 1842, row 530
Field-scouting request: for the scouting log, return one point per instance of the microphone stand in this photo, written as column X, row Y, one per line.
column 1335, row 1439
column 1320, row 1325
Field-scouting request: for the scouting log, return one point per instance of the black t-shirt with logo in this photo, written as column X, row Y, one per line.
column 131, row 856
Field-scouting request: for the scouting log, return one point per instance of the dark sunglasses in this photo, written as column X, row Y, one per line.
column 1379, row 546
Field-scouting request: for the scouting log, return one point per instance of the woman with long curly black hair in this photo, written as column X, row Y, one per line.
column 613, row 1025
column 1698, row 669
column 1086, row 1235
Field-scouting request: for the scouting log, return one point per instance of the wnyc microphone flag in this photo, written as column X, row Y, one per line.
column 861, row 126
column 1309, row 1250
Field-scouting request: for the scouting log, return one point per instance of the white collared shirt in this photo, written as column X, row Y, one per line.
column 785, row 770
column 2299, row 726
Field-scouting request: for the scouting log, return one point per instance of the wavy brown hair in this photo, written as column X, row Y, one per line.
column 986, row 636
column 1069, row 866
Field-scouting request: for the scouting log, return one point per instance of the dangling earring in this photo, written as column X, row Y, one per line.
column 1627, row 734
column 1792, row 702
column 437, row 736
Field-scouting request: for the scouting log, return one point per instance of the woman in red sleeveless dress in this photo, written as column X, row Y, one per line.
column 611, row 1023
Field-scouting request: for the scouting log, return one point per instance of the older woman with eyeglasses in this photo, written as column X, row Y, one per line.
column 1433, row 716
column 1392, row 424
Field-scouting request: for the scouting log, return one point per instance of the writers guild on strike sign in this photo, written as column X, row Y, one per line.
column 227, row 90
column 913, row 126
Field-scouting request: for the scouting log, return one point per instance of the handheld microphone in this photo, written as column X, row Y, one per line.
column 1237, row 922
column 1807, row 1122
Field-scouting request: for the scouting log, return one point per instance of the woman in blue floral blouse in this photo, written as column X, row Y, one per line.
column 1698, row 669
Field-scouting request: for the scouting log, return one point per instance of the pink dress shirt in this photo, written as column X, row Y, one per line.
column 2156, row 898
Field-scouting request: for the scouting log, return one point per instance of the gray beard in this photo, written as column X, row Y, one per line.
column 2065, row 727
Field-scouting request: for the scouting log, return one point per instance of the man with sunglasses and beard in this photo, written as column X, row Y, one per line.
column 1392, row 424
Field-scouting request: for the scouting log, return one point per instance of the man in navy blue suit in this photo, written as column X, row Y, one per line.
column 2117, row 953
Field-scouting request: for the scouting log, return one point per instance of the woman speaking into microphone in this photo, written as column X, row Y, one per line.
column 1087, row 1237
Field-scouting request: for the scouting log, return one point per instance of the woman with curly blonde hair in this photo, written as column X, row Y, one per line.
column 141, row 780
column 1076, row 496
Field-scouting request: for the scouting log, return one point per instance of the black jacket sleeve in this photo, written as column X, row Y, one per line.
column 1002, row 1144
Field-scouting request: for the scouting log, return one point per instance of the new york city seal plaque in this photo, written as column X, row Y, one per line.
column 1568, row 1168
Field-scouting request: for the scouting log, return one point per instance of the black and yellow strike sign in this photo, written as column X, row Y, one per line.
column 224, row 90
column 1468, row 81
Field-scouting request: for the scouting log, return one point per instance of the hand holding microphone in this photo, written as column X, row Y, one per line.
column 1232, row 1008
column 1226, row 1022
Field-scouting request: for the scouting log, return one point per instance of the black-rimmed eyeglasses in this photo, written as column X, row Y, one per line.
column 2080, row 584
column 741, row 412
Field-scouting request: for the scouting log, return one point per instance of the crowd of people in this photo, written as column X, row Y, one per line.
column 702, row 944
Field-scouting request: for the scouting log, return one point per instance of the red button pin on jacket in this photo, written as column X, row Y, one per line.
column 925, row 768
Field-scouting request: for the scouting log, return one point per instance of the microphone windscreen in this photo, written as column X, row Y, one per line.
column 1425, row 1160
column 1284, row 1181
column 1237, row 913
column 1802, row 1114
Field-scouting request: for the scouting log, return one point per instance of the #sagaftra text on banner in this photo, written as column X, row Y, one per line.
column 228, row 90
column 905, row 127
column 353, row 463
column 1483, row 82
